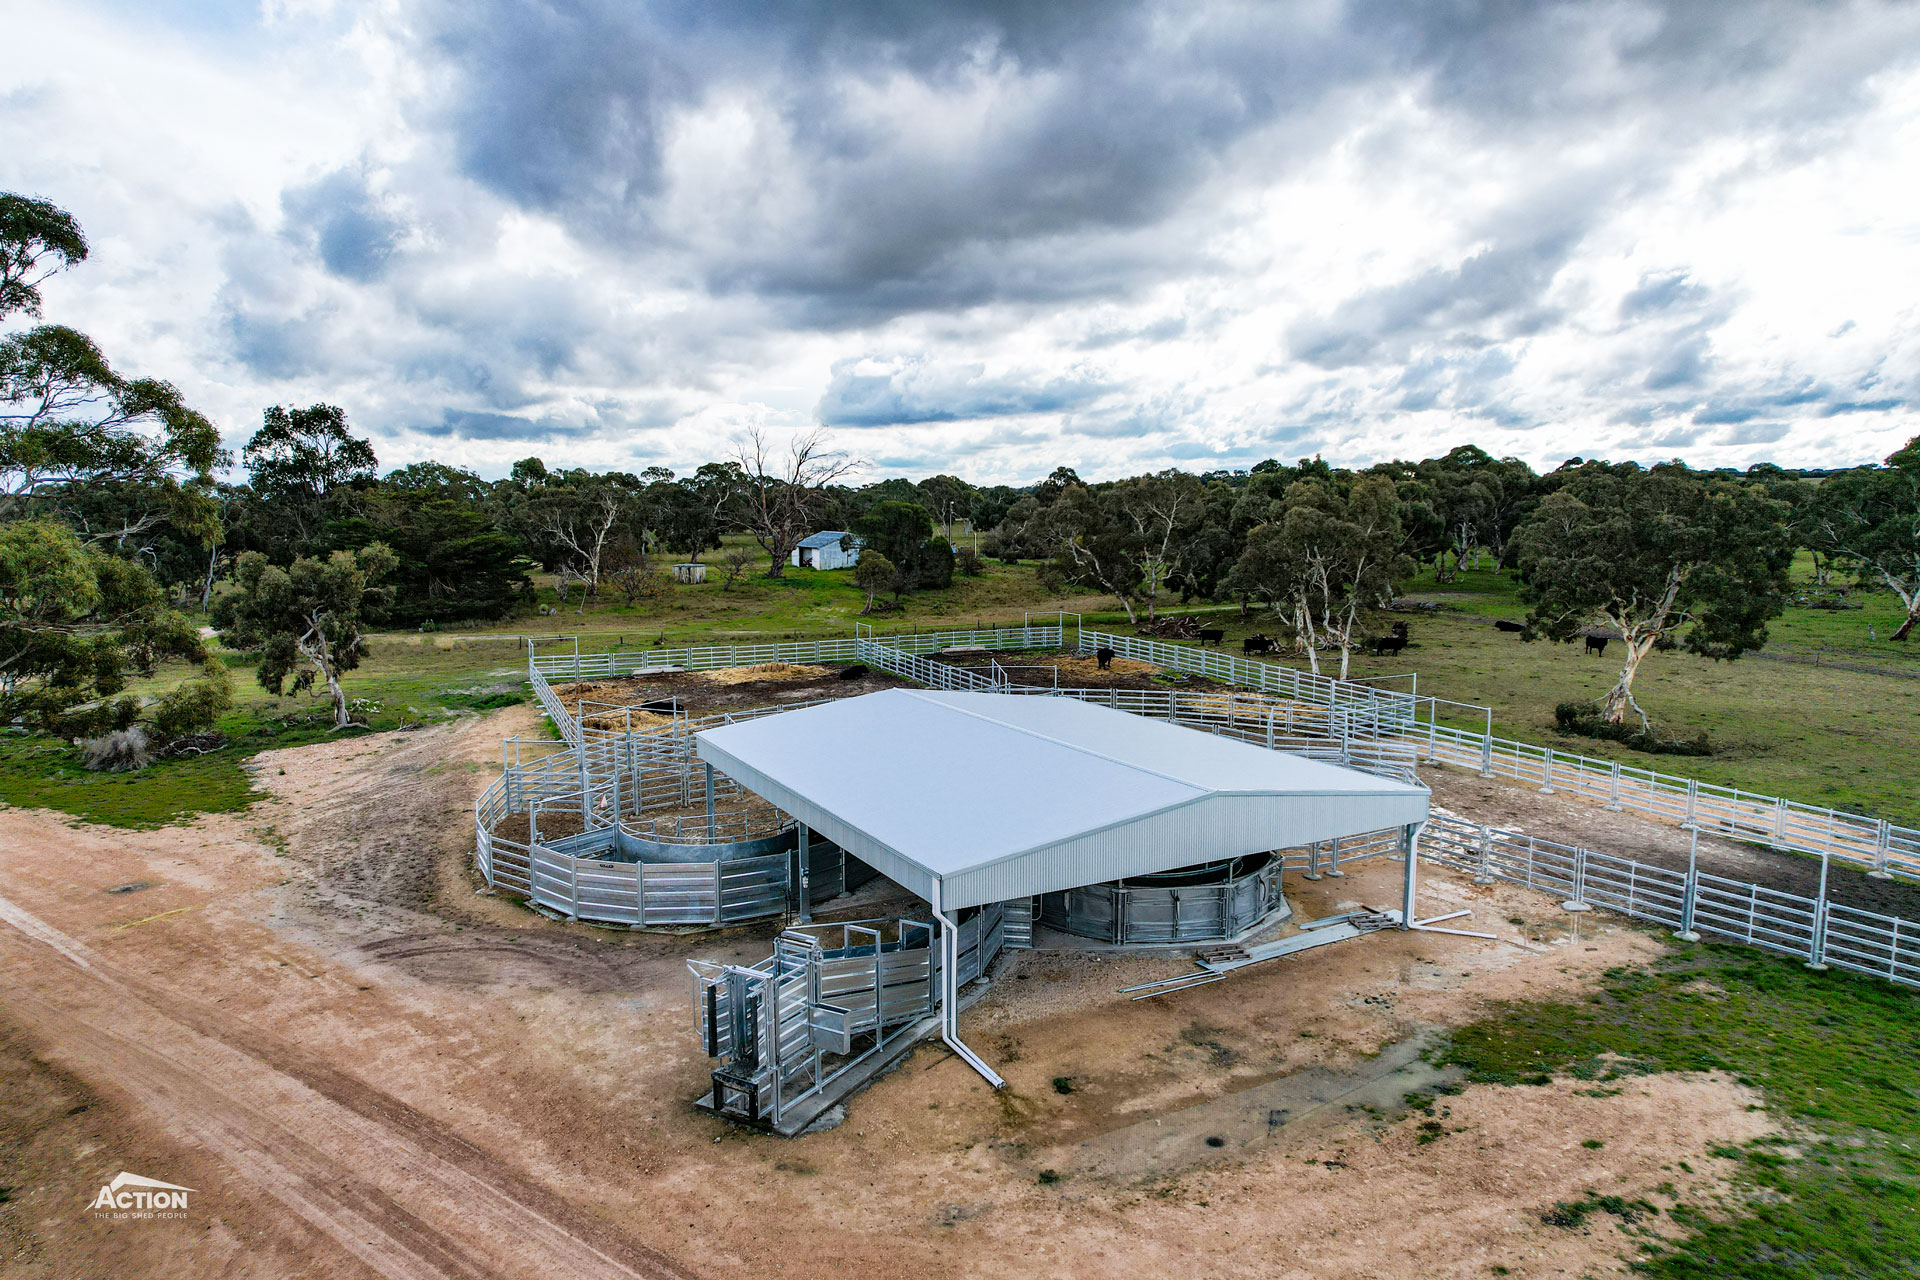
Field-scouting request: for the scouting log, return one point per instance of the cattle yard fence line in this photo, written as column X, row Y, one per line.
column 1693, row 903
column 1875, row 845
column 1346, row 722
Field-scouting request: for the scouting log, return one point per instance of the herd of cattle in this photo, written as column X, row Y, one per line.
column 1383, row 646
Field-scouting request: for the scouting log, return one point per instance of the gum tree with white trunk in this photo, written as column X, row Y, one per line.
column 1666, row 554
column 1869, row 518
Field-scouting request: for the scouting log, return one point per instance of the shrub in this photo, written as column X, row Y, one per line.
column 968, row 561
column 193, row 707
column 122, row 751
column 1583, row 718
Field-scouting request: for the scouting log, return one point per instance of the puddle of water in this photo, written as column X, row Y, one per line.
column 1292, row 1107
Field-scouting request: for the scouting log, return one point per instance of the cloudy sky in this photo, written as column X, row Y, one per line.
column 992, row 238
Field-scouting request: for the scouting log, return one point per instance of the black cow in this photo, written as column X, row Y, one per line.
column 661, row 706
column 1597, row 645
column 1256, row 644
column 853, row 671
column 1103, row 656
column 1384, row 645
column 1504, row 624
column 1212, row 635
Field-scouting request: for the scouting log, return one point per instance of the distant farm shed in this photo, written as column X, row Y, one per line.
column 824, row 551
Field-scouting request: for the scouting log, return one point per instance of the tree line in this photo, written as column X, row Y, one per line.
column 116, row 528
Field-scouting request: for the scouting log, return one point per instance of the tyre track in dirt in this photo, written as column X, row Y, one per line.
column 391, row 1187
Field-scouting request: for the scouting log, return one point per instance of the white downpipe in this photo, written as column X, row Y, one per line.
column 1410, row 834
column 950, row 993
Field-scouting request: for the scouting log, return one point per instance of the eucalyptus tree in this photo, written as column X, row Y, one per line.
column 1869, row 518
column 1327, row 561
column 308, row 619
column 1661, row 555
column 77, row 623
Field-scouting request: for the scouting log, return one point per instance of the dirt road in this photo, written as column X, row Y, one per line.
column 387, row 1186
column 364, row 1068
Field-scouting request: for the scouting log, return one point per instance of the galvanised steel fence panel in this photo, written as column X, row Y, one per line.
column 615, row 663
column 678, row 893
column 1868, row 942
column 1754, row 914
column 753, row 887
column 1635, row 888
column 1869, row 843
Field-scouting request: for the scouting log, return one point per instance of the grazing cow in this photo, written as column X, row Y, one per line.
column 1256, row 644
column 853, row 671
column 1103, row 656
column 1384, row 645
column 1597, row 645
column 1212, row 635
column 1504, row 624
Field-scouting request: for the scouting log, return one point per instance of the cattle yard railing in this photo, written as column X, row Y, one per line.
column 1873, row 844
column 1389, row 707
column 613, row 663
column 1693, row 903
column 1347, row 723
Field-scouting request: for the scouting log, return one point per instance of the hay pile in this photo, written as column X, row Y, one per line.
column 765, row 671
column 1088, row 669
column 618, row 692
column 617, row 720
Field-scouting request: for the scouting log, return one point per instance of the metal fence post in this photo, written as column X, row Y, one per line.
column 1546, row 772
column 1486, row 748
column 1687, row 932
column 1578, row 902
column 1333, row 865
column 1613, row 788
column 1817, row 944
column 1484, row 874
column 1882, row 846
column 719, row 878
column 1693, row 805
column 1313, row 860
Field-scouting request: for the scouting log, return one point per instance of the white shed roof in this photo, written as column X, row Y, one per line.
column 1001, row 795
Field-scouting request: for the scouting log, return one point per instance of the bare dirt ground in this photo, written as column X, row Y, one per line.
column 1076, row 672
column 1504, row 803
column 702, row 693
column 366, row 1069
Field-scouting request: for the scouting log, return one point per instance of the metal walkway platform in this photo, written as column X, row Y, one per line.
column 1215, row 963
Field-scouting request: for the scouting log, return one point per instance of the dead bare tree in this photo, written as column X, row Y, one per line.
column 777, row 495
column 581, row 523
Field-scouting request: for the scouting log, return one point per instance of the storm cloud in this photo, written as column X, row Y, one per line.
column 995, row 238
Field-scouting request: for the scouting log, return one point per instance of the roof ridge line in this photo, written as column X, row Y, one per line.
column 922, row 694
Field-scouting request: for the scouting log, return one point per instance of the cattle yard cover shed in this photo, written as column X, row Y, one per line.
column 997, row 796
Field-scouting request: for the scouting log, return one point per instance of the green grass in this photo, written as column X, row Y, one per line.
column 1825, row 734
column 404, row 684
column 1820, row 734
column 1838, row 1055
